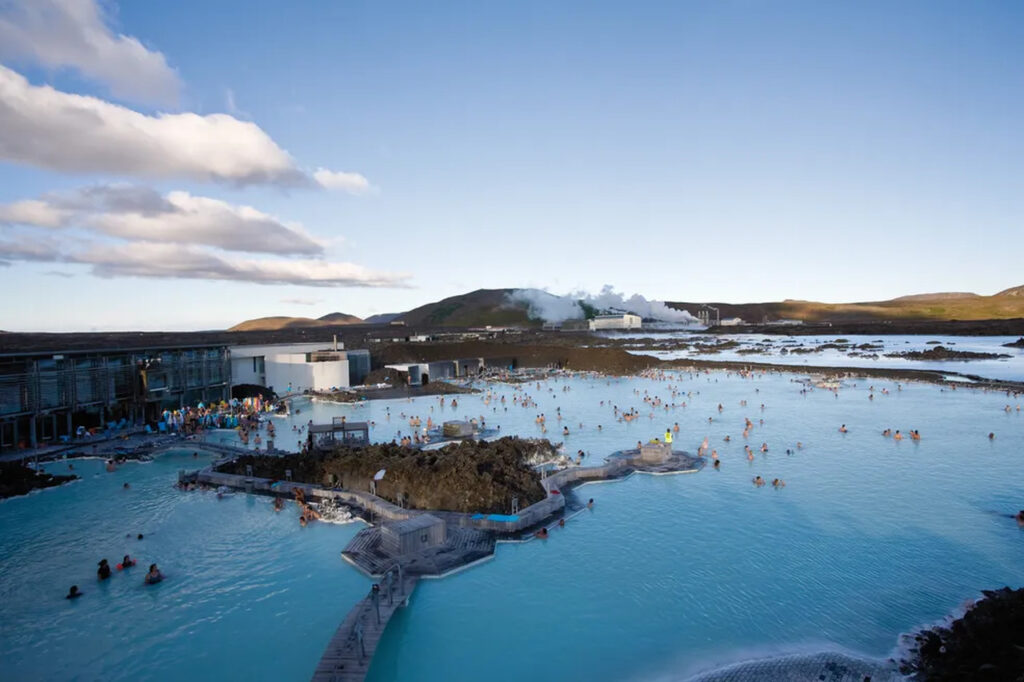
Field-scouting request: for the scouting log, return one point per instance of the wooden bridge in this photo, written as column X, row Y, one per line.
column 348, row 655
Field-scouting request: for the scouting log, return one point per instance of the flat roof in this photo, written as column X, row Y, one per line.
column 347, row 426
column 413, row 523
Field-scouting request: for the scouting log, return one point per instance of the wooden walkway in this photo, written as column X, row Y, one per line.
column 348, row 655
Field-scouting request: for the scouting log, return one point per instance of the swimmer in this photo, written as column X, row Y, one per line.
column 139, row 537
column 561, row 523
column 542, row 533
column 103, row 572
column 779, row 483
column 590, row 503
column 126, row 562
column 897, row 435
column 991, row 436
column 716, row 464
column 278, row 504
column 154, row 576
column 126, row 486
column 1020, row 518
column 842, row 429
column 758, row 481
column 302, row 521
column 73, row 593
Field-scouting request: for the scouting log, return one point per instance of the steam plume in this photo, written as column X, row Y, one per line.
column 551, row 308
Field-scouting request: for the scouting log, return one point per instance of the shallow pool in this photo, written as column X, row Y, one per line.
column 664, row 577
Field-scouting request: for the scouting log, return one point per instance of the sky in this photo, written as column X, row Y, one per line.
column 182, row 164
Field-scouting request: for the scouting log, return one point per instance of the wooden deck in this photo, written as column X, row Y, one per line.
column 346, row 658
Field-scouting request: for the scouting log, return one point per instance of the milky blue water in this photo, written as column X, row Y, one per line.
column 664, row 577
column 248, row 593
column 769, row 349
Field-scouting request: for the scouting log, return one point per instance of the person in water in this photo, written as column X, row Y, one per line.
column 126, row 562
column 73, row 593
column 154, row 576
column 1020, row 518
column 103, row 572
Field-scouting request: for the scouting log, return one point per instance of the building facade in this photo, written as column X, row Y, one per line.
column 46, row 396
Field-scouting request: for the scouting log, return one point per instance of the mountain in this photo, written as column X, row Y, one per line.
column 1006, row 304
column 339, row 318
column 475, row 309
column 381, row 318
column 282, row 322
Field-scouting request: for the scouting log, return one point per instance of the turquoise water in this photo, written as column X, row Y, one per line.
column 664, row 577
column 668, row 576
column 248, row 593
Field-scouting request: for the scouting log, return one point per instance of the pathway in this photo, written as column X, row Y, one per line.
column 348, row 655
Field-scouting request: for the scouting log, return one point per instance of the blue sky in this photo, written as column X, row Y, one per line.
column 726, row 151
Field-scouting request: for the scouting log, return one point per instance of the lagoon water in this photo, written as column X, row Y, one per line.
column 768, row 349
column 663, row 578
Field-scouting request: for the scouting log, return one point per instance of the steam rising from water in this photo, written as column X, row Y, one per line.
column 551, row 308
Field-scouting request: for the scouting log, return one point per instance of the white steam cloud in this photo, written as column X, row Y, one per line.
column 551, row 308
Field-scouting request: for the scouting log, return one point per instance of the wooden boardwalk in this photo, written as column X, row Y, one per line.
column 348, row 655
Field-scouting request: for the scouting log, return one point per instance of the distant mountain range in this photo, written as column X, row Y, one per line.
column 281, row 322
column 493, row 307
column 1007, row 304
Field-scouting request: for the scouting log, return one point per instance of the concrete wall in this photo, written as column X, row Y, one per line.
column 293, row 370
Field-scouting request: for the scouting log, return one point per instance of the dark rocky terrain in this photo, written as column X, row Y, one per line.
column 943, row 353
column 18, row 479
column 470, row 476
column 986, row 643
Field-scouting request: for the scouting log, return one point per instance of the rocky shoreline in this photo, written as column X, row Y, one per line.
column 985, row 643
column 18, row 479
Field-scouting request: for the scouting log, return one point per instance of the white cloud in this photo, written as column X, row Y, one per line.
column 141, row 213
column 33, row 212
column 302, row 301
column 181, row 262
column 22, row 247
column 174, row 261
column 74, row 34
column 46, row 128
column 353, row 183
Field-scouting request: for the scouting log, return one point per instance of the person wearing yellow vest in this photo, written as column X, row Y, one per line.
column 668, row 436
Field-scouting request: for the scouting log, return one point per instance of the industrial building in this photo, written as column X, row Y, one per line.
column 624, row 321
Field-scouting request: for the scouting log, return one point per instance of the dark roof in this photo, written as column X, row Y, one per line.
column 347, row 426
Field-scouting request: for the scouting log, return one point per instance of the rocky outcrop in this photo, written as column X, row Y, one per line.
column 986, row 643
column 943, row 353
column 469, row 476
column 18, row 479
column 1019, row 343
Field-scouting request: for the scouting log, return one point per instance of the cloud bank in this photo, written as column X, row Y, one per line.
column 174, row 261
column 74, row 34
column 551, row 308
column 54, row 130
column 141, row 213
